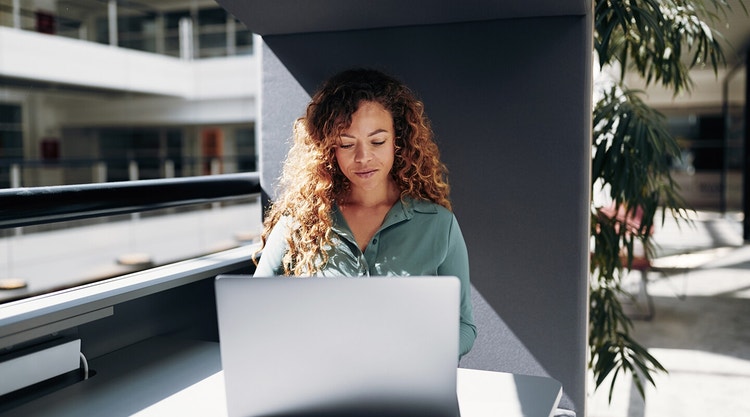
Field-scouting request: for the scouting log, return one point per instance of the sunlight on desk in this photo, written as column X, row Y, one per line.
column 480, row 393
column 485, row 393
column 165, row 377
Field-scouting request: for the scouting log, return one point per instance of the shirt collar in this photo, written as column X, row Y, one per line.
column 403, row 210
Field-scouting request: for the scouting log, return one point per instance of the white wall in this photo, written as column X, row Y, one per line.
column 150, row 111
column 706, row 91
column 53, row 59
column 122, row 87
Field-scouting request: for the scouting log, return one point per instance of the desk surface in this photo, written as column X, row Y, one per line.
column 166, row 377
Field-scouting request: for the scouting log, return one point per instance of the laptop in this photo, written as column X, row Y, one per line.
column 364, row 346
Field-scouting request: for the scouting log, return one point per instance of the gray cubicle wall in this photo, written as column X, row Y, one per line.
column 510, row 102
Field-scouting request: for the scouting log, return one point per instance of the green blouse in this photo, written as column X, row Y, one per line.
column 416, row 238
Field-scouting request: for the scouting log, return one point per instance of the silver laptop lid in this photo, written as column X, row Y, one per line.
column 339, row 346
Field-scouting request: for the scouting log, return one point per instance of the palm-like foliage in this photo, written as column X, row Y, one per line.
column 654, row 37
column 659, row 40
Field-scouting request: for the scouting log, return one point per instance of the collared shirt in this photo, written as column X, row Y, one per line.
column 417, row 238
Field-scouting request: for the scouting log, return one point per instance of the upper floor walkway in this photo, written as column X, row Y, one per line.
column 75, row 64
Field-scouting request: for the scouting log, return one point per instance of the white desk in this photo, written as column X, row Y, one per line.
column 163, row 377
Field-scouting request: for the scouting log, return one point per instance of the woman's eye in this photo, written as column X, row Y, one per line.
column 346, row 146
column 378, row 142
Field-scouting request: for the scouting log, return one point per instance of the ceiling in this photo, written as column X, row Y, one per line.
column 276, row 17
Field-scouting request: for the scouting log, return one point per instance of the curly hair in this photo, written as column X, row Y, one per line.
column 312, row 183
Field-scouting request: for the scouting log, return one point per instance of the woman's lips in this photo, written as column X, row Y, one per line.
column 366, row 174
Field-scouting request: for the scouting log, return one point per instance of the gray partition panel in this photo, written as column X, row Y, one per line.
column 510, row 102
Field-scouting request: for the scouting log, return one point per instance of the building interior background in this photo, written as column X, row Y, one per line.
column 98, row 91
column 94, row 91
column 82, row 94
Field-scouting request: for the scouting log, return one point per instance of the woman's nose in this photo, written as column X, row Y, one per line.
column 361, row 154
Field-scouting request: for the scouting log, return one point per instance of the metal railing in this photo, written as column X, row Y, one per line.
column 26, row 319
column 39, row 205
column 65, row 237
column 19, row 172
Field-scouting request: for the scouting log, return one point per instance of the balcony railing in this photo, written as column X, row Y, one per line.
column 220, row 196
column 16, row 173
column 27, row 319
column 38, row 205
column 174, row 300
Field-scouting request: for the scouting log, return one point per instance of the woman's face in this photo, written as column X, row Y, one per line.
column 366, row 149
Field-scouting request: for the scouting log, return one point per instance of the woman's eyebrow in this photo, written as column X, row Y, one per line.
column 373, row 133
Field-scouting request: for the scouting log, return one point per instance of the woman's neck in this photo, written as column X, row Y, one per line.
column 386, row 196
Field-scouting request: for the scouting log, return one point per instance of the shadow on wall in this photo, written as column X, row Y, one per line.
column 497, row 348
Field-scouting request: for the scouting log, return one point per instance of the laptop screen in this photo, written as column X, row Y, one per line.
column 385, row 346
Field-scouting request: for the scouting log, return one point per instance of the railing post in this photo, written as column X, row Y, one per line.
column 215, row 170
column 15, row 176
column 100, row 172
column 15, row 182
column 133, row 170
column 133, row 176
column 215, row 166
column 83, row 32
column 168, row 168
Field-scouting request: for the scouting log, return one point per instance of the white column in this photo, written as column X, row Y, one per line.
column 17, row 14
column 231, row 35
column 112, row 16
column 186, row 38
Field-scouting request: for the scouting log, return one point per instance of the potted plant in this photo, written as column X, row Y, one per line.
column 660, row 41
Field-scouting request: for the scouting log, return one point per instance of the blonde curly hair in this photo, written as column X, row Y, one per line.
column 312, row 183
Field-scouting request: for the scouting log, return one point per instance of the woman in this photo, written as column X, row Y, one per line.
column 363, row 192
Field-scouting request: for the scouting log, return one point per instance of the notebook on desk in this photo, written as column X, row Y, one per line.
column 339, row 346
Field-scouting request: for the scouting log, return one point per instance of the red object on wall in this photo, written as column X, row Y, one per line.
column 50, row 149
column 212, row 147
column 45, row 22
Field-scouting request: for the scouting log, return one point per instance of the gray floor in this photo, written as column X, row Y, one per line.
column 700, row 331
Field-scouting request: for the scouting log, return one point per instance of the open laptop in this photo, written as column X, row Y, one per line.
column 372, row 346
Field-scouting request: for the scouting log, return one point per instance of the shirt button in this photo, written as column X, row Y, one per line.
column 374, row 241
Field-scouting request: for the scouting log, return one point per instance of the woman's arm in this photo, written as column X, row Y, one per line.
column 456, row 263
column 273, row 252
